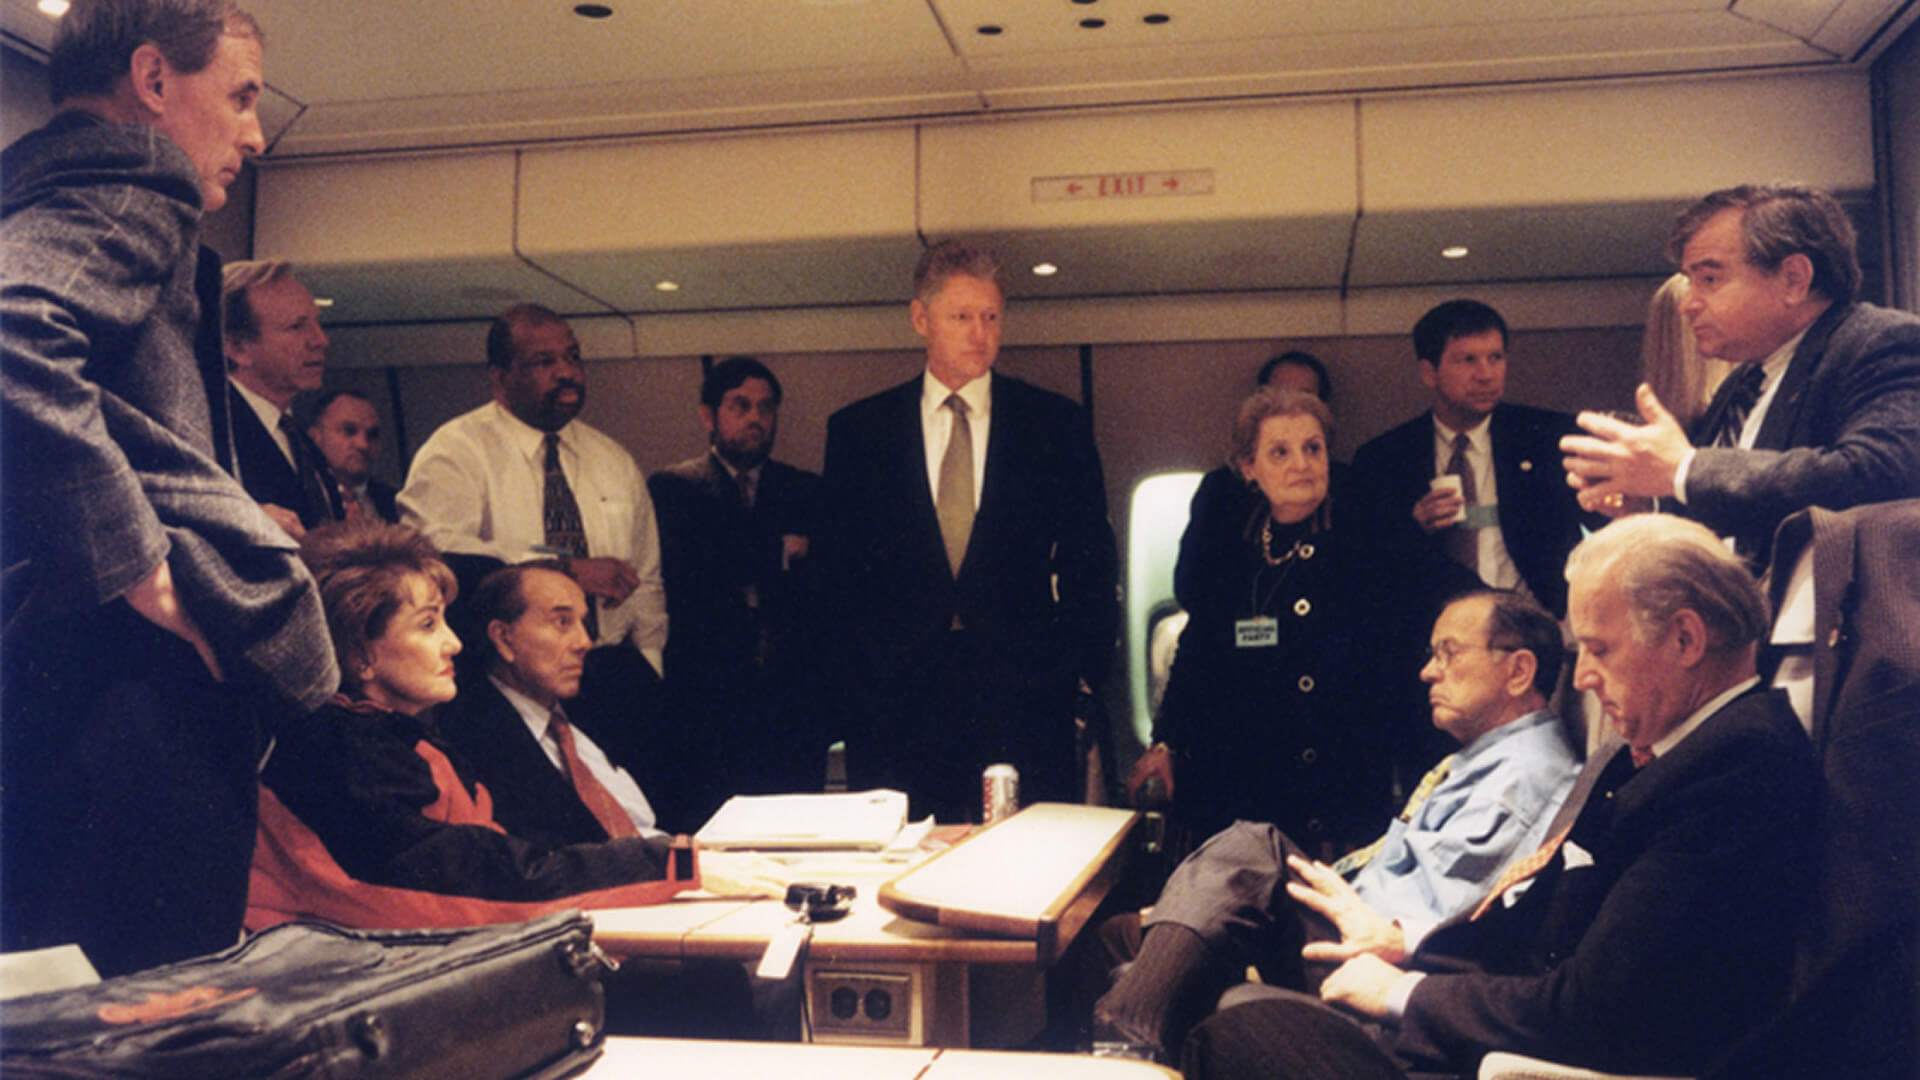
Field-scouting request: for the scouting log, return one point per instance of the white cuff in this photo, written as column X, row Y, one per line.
column 1400, row 992
column 1680, row 476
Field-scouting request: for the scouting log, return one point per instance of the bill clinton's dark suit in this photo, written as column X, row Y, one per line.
column 267, row 474
column 1843, row 429
column 1663, row 933
column 1034, row 603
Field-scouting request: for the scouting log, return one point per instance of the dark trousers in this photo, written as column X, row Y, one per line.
column 1284, row 1036
column 932, row 726
column 128, row 792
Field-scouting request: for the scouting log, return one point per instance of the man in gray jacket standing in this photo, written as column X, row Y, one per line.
column 156, row 623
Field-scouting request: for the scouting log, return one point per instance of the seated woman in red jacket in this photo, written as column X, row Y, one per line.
column 367, row 816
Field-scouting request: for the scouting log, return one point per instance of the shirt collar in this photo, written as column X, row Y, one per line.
column 1776, row 362
column 730, row 470
column 534, row 714
column 1505, row 731
column 268, row 412
column 1671, row 739
column 1477, row 435
column 978, row 395
column 530, row 441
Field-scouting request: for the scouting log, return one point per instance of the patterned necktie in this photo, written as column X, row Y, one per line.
column 606, row 809
column 1742, row 395
column 1602, row 785
column 1463, row 542
column 1352, row 861
column 954, row 503
column 745, row 482
column 560, row 515
column 313, row 487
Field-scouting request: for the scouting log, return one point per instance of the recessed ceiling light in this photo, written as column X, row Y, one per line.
column 55, row 8
column 1454, row 252
column 667, row 286
column 988, row 30
column 323, row 301
column 1092, row 24
column 1156, row 19
column 592, row 11
column 1045, row 269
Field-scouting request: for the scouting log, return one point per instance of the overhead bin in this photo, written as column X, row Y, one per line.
column 764, row 221
column 1246, row 197
column 403, row 238
column 1584, row 182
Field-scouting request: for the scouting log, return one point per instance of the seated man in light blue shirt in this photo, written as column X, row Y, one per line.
column 549, row 782
column 1249, row 895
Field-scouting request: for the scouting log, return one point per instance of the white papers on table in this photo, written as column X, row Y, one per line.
column 861, row 820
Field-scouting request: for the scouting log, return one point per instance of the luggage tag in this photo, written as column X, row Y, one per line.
column 812, row 903
column 1260, row 632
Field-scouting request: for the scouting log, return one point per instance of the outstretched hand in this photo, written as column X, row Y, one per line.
column 1618, row 461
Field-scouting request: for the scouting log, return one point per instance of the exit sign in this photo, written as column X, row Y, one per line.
column 1123, row 185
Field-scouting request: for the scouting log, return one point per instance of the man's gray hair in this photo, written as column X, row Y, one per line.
column 94, row 44
column 238, row 322
column 1663, row 564
column 949, row 258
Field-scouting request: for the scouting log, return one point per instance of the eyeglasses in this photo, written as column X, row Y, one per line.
column 1445, row 653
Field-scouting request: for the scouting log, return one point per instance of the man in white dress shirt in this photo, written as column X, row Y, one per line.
column 522, row 478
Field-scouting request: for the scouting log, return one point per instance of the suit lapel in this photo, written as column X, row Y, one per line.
column 1783, row 413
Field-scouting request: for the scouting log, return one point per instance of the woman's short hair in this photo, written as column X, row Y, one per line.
column 1268, row 402
column 1663, row 564
column 363, row 569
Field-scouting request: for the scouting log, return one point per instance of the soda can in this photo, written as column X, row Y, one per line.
column 999, row 793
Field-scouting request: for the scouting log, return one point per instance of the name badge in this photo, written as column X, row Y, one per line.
column 1257, row 633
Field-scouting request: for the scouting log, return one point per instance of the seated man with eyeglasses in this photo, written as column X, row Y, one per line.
column 1494, row 659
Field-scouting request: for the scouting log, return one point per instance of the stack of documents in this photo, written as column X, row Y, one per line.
column 855, row 820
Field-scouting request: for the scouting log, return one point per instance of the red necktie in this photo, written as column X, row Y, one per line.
column 606, row 809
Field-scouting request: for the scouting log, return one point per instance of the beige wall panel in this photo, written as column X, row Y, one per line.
column 1606, row 144
column 388, row 210
column 716, row 192
column 1267, row 161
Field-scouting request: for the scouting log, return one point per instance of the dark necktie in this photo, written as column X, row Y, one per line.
column 745, row 482
column 560, row 515
column 1742, row 394
column 954, row 501
column 1463, row 542
column 1593, row 782
column 606, row 809
column 318, row 507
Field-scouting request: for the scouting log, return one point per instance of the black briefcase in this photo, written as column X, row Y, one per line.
column 312, row 1000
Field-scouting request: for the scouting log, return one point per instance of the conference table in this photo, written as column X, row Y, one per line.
column 629, row 1057
column 946, row 948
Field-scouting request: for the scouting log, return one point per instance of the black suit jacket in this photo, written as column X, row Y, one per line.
column 267, row 474
column 713, row 551
column 383, row 496
column 1843, row 430
column 1659, row 934
column 1036, row 594
column 1539, row 517
column 531, row 799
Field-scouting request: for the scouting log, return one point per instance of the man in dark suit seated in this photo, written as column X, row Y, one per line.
column 346, row 429
column 550, row 783
column 1823, row 407
column 736, row 528
column 1656, row 924
column 276, row 351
